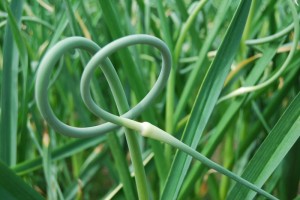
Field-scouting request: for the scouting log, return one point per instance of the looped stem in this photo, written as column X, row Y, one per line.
column 42, row 84
column 145, row 129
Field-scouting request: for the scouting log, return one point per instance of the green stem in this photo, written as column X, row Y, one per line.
column 122, row 168
column 117, row 93
column 185, row 28
column 271, row 38
column 9, row 95
column 100, row 57
column 145, row 129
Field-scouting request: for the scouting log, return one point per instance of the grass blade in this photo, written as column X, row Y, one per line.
column 59, row 153
column 271, row 152
column 290, row 173
column 13, row 187
column 229, row 115
column 9, row 95
column 206, row 99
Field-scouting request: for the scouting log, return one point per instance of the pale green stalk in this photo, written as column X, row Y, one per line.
column 171, row 84
column 42, row 83
column 131, row 69
column 271, row 38
column 105, row 52
column 47, row 167
column 178, row 47
column 148, row 130
column 167, row 36
column 9, row 93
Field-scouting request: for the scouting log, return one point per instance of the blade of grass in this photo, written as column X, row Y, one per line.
column 206, row 99
column 13, row 187
column 271, row 152
column 71, row 17
column 278, row 98
column 180, row 5
column 167, row 37
column 9, row 93
column 119, row 156
column 228, row 116
column 59, row 29
column 274, row 77
column 23, row 54
column 51, row 191
column 166, row 33
column 290, row 173
column 58, row 153
column 228, row 153
column 87, row 171
column 263, row 9
column 213, row 183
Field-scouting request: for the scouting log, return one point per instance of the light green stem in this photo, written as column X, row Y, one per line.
column 145, row 129
column 9, row 90
column 271, row 38
column 42, row 83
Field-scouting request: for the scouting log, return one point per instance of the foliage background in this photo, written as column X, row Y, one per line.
column 59, row 167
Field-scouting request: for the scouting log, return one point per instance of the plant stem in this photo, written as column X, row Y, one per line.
column 153, row 132
column 9, row 95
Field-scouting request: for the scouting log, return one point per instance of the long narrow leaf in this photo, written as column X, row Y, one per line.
column 272, row 151
column 9, row 95
column 13, row 187
column 59, row 153
column 206, row 99
column 229, row 114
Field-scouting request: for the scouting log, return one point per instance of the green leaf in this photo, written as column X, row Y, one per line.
column 59, row 153
column 197, row 73
column 290, row 173
column 13, row 187
column 272, row 151
column 206, row 99
column 229, row 114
